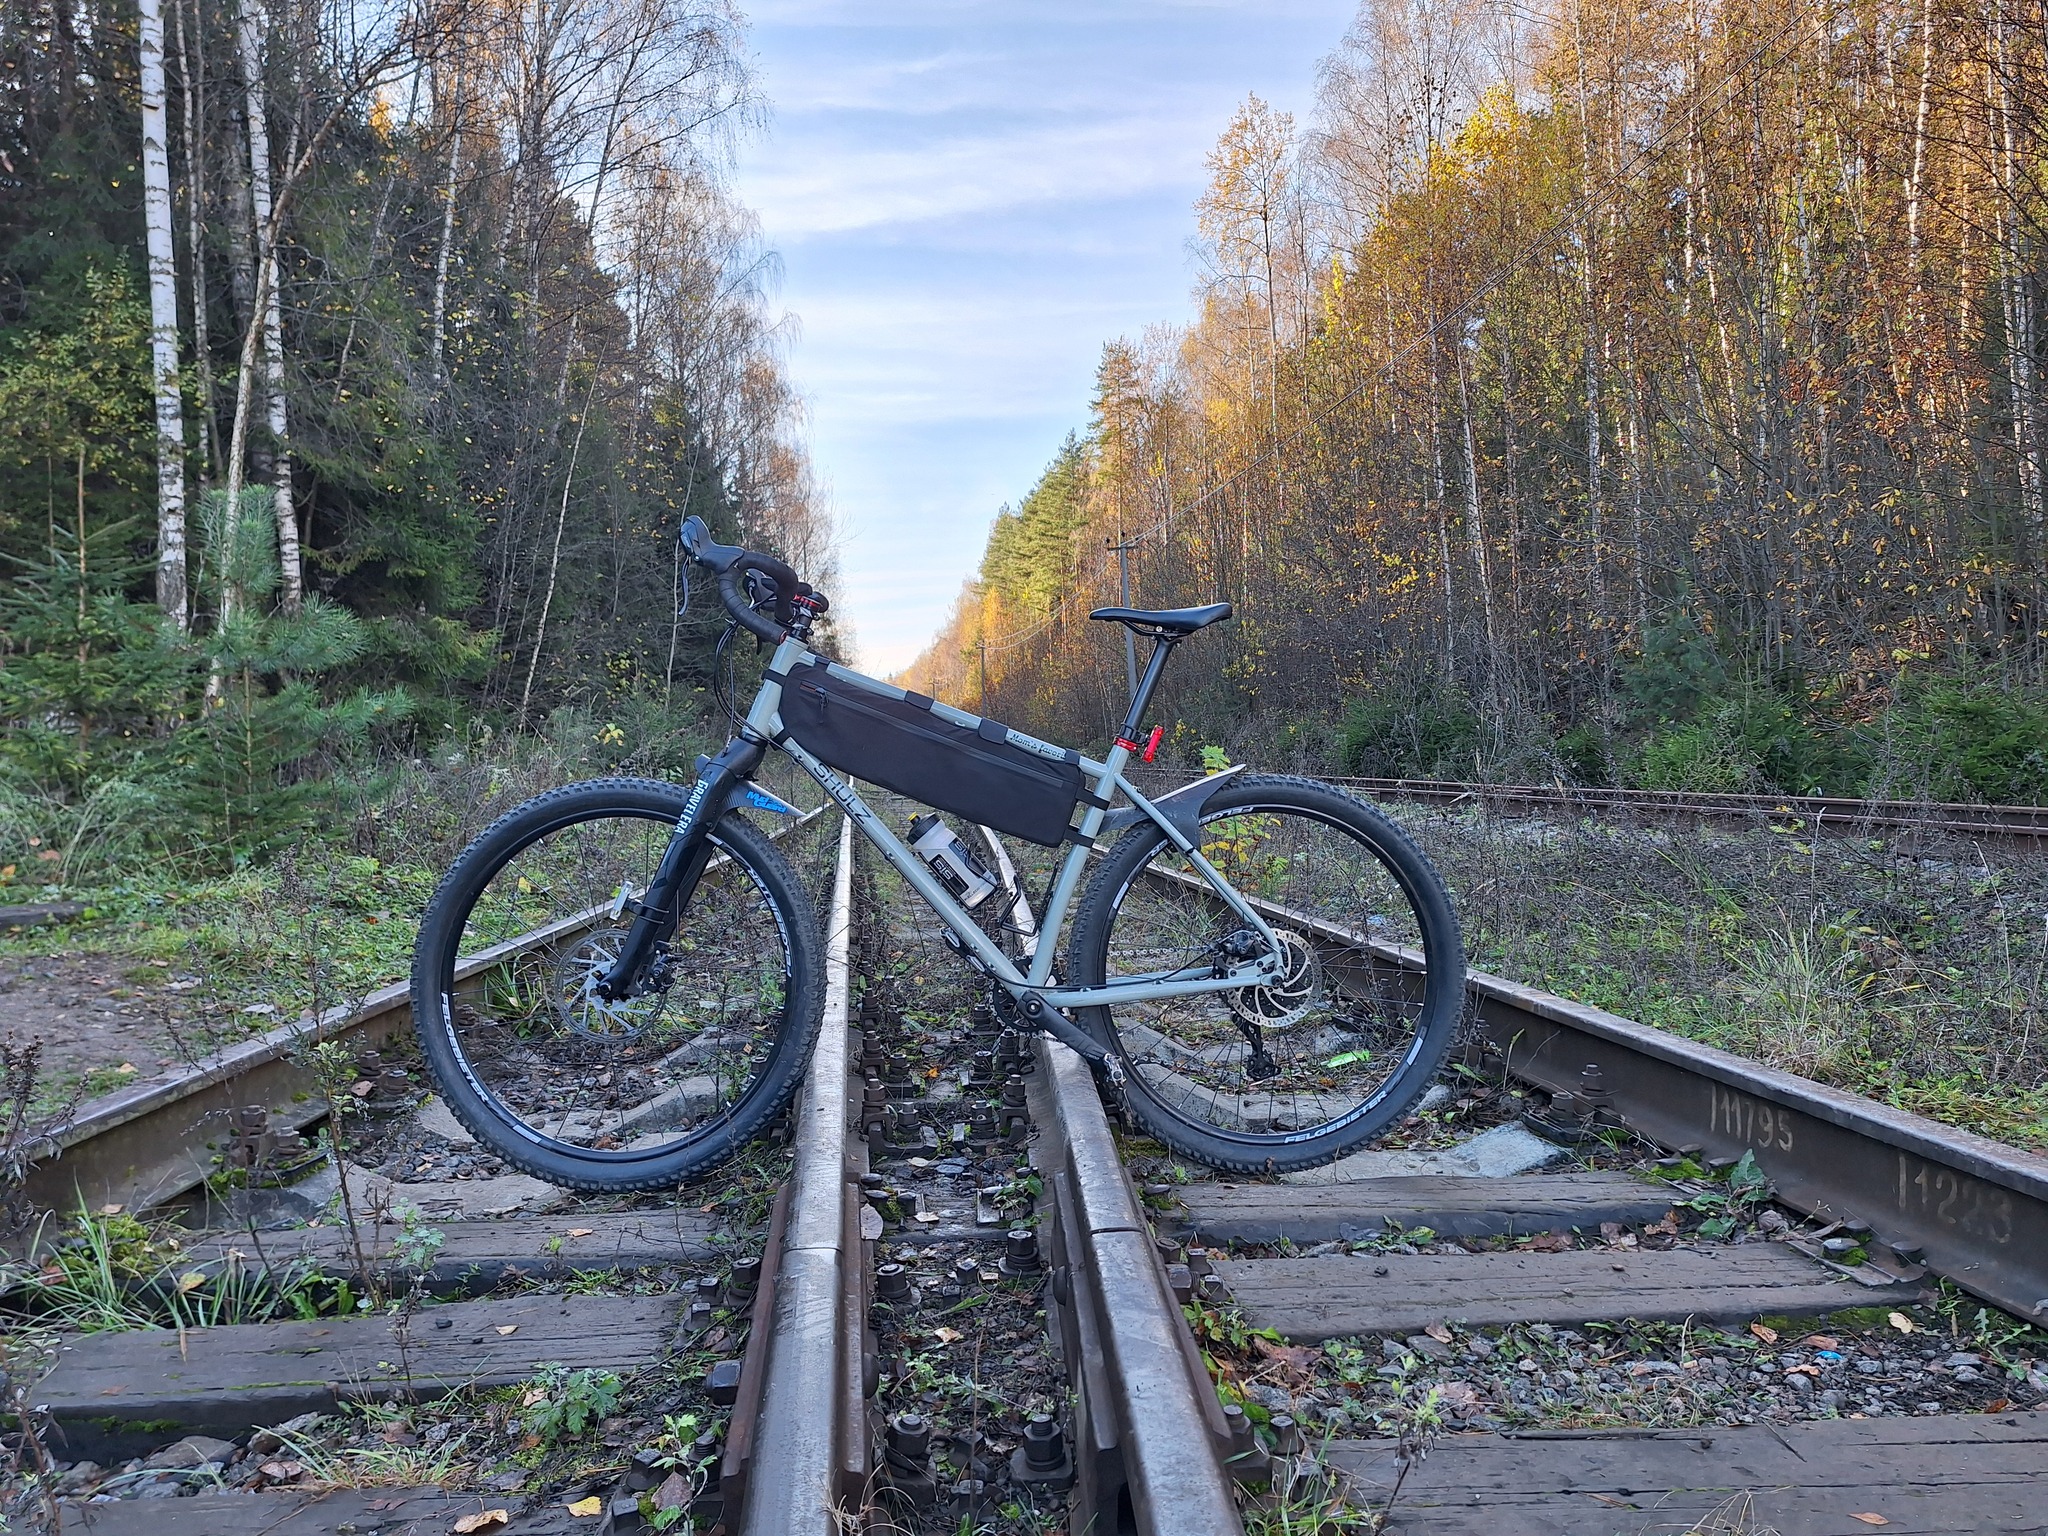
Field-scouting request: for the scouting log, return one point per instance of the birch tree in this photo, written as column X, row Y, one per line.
column 163, row 321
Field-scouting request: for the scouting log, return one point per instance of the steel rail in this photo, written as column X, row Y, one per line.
column 1972, row 1210
column 1817, row 812
column 1151, row 1440
column 808, row 1450
column 1814, row 813
column 147, row 1145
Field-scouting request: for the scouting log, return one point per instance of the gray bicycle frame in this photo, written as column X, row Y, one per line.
column 764, row 721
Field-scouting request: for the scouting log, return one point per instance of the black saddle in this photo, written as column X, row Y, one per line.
column 1165, row 621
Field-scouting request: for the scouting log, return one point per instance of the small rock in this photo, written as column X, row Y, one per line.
column 1430, row 1349
column 1800, row 1382
column 264, row 1441
column 1967, row 1375
column 1394, row 1349
column 1955, row 1360
column 1480, row 1346
column 192, row 1451
column 80, row 1474
column 159, row 1488
column 507, row 1482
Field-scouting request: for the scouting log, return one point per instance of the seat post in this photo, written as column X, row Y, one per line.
column 1161, row 645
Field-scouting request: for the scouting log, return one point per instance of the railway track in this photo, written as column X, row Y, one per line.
column 1808, row 813
column 910, row 1206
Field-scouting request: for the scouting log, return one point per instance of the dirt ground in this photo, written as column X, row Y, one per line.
column 104, row 1021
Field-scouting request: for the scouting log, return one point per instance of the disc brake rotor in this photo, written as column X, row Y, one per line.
column 1288, row 999
column 580, row 1007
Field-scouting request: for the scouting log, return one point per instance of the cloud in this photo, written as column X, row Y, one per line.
column 970, row 199
column 1103, row 161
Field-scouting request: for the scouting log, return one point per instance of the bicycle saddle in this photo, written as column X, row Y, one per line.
column 1165, row 621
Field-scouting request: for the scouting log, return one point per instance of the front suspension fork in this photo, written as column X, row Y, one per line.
column 682, row 865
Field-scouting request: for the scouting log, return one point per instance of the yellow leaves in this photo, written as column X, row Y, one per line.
column 482, row 1520
column 586, row 1507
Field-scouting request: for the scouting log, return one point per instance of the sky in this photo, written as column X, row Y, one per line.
column 968, row 200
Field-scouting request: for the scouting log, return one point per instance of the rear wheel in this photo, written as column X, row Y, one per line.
column 1311, row 1067
column 644, row 1092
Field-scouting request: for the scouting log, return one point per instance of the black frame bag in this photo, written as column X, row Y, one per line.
column 902, row 745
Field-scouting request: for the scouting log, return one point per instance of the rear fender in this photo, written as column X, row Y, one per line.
column 1182, row 807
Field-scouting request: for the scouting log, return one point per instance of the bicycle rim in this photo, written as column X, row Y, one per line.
column 1334, row 1040
column 570, row 1072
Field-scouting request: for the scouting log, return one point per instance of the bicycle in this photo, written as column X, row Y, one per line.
column 618, row 983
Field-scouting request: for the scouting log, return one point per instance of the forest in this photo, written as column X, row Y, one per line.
column 357, row 366
column 1639, row 394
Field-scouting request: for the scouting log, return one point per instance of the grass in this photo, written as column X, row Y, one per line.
column 110, row 1272
column 1918, row 977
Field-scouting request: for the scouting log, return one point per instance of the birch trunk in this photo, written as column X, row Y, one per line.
column 267, row 319
column 1589, row 280
column 441, row 260
column 163, row 321
column 192, row 64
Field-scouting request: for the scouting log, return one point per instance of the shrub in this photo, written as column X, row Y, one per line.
column 1968, row 739
column 1707, row 758
column 1428, row 731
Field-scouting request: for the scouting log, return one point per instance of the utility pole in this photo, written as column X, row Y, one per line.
column 1123, row 566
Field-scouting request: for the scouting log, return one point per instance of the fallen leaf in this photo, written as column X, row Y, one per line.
column 948, row 1335
column 382, row 1504
column 1295, row 1356
column 1549, row 1242
column 1608, row 1498
column 1819, row 1341
column 590, row 1506
column 191, row 1280
column 507, row 1329
column 581, row 1231
column 283, row 1471
column 674, row 1492
column 1438, row 1332
column 1871, row 1519
column 1768, row 1335
column 1458, row 1396
column 110, row 1210
column 482, row 1520
column 2000, row 1406
column 1903, row 1323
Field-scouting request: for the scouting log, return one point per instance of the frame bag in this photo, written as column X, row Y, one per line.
column 902, row 744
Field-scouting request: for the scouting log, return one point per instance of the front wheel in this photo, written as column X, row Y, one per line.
column 581, row 1090
column 1308, row 1068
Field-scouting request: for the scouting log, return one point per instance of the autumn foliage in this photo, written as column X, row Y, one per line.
column 1646, row 391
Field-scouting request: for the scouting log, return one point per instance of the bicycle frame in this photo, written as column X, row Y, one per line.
column 764, row 724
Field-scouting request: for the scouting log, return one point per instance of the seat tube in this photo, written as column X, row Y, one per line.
column 1154, row 669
